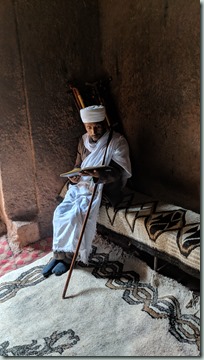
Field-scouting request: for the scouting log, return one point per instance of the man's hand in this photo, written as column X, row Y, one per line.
column 93, row 173
column 103, row 175
column 74, row 179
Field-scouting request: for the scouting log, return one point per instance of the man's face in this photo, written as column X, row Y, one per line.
column 96, row 130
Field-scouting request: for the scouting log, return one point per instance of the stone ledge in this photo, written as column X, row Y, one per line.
column 21, row 233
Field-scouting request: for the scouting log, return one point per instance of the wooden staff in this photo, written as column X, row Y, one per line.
column 77, row 97
column 79, row 104
column 79, row 243
column 101, row 101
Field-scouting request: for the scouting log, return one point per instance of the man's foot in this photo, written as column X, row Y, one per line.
column 47, row 270
column 61, row 268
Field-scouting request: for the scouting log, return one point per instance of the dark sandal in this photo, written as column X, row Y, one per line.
column 47, row 270
column 61, row 268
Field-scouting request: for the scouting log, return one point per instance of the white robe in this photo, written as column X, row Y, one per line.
column 69, row 215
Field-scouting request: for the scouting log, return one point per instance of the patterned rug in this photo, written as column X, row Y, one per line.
column 116, row 306
column 10, row 261
column 159, row 228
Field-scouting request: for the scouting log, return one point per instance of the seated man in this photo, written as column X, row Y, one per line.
column 99, row 145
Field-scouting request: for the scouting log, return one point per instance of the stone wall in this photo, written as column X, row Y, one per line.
column 151, row 48
column 44, row 45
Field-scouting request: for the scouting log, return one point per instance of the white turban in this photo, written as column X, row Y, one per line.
column 93, row 113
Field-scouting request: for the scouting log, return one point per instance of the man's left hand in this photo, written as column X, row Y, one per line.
column 93, row 173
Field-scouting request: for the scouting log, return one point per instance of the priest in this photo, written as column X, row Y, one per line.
column 98, row 146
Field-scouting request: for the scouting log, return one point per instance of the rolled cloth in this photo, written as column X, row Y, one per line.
column 93, row 113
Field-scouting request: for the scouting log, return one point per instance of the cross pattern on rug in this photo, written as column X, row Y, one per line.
column 51, row 344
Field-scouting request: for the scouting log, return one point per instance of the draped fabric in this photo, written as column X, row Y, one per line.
column 93, row 114
column 69, row 215
column 118, row 151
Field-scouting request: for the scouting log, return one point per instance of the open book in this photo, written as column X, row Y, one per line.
column 79, row 171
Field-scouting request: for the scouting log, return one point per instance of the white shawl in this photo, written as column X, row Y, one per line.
column 69, row 215
column 118, row 151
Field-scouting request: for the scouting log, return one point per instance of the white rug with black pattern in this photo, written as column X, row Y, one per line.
column 117, row 306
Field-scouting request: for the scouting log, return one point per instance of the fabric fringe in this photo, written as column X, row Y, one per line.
column 112, row 249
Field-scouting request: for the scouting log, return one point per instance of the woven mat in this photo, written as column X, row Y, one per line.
column 117, row 306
